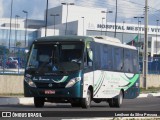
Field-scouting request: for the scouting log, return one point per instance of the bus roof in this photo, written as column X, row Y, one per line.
column 64, row 38
column 98, row 39
column 111, row 41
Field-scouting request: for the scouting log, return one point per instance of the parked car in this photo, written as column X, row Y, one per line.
column 12, row 62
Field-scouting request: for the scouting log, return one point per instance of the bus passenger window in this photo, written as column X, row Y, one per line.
column 118, row 59
column 90, row 57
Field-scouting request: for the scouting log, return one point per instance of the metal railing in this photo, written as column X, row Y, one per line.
column 13, row 60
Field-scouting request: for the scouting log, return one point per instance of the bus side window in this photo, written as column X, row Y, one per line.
column 135, row 61
column 118, row 59
column 89, row 56
column 128, row 62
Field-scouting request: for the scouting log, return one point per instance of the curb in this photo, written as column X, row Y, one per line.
column 149, row 95
column 15, row 101
column 29, row 101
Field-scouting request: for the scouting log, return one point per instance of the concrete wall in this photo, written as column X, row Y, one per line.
column 13, row 84
column 152, row 80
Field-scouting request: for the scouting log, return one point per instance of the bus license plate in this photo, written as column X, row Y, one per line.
column 49, row 91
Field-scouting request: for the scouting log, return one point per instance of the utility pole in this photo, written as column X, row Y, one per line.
column 54, row 18
column 145, row 55
column 46, row 18
column 115, row 21
column 26, row 24
column 10, row 30
column 67, row 15
column 106, row 19
column 83, row 25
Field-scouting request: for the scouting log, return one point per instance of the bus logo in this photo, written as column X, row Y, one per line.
column 50, row 85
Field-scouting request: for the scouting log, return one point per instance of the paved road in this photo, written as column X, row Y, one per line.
column 139, row 104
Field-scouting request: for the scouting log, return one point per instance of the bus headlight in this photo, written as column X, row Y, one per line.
column 30, row 82
column 72, row 82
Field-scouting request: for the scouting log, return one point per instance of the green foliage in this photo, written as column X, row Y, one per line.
column 3, row 50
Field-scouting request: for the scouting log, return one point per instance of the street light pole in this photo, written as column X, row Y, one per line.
column 46, row 18
column 115, row 21
column 54, row 18
column 123, row 31
column 138, row 47
column 83, row 25
column 106, row 19
column 16, row 28
column 156, row 36
column 140, row 33
column 102, row 25
column 26, row 26
column 10, row 30
column 67, row 14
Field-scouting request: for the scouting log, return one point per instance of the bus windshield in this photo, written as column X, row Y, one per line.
column 61, row 57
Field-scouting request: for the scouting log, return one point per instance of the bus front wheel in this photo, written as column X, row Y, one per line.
column 86, row 102
column 38, row 102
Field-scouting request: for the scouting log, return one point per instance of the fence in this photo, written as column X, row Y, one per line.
column 13, row 60
column 153, row 65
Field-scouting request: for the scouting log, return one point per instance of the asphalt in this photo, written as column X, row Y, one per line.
column 10, row 100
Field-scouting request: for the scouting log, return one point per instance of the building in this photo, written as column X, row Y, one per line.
column 76, row 20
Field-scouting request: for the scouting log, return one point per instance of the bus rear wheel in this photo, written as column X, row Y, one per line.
column 38, row 102
column 116, row 102
column 86, row 102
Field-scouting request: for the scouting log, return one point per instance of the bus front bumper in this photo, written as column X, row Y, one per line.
column 72, row 92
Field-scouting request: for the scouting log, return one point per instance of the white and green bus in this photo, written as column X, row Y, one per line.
column 80, row 69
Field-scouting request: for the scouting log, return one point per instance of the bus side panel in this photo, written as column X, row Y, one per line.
column 108, row 84
column 105, row 84
column 87, row 82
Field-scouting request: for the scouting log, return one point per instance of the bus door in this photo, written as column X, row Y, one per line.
column 88, row 69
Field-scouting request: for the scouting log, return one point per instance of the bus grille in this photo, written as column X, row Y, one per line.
column 50, row 85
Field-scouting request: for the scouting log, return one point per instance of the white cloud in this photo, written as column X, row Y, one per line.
column 127, row 9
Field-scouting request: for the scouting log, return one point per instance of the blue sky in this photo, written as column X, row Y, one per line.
column 127, row 9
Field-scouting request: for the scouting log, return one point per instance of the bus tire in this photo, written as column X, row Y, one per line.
column 118, row 101
column 111, row 102
column 86, row 102
column 38, row 102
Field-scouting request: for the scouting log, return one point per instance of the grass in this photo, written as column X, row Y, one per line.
column 12, row 94
column 150, row 90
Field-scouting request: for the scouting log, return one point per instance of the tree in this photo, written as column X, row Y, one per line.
column 18, row 44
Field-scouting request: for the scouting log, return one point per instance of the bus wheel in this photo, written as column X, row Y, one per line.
column 116, row 102
column 111, row 102
column 38, row 102
column 86, row 102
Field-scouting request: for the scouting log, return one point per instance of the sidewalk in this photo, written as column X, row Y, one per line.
column 28, row 101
